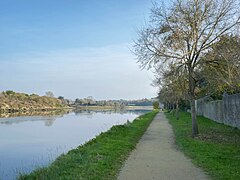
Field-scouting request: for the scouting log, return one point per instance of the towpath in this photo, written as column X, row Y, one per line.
column 156, row 157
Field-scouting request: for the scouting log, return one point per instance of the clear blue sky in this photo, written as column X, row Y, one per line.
column 74, row 48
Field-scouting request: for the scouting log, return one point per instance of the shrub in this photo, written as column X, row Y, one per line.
column 156, row 105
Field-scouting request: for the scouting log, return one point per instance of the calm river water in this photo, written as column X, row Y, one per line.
column 28, row 142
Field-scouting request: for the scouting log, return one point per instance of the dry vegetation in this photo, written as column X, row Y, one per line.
column 11, row 101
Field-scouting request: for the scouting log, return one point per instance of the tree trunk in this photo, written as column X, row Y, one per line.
column 177, row 110
column 192, row 86
column 194, row 118
column 173, row 108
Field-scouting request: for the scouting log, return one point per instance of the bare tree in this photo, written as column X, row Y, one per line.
column 225, row 74
column 182, row 32
column 49, row 94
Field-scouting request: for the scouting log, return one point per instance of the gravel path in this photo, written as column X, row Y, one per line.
column 156, row 157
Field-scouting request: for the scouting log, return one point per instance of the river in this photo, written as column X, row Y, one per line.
column 29, row 142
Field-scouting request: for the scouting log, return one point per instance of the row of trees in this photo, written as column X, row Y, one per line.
column 222, row 77
column 193, row 46
column 90, row 101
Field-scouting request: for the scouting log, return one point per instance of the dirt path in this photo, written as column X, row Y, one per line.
column 156, row 157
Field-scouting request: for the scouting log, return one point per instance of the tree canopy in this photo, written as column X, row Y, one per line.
column 181, row 33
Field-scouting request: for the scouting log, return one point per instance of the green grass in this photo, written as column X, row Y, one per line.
column 100, row 158
column 216, row 149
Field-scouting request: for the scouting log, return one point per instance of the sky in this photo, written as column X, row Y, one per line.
column 74, row 48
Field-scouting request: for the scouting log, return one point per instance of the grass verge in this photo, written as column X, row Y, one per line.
column 100, row 158
column 216, row 149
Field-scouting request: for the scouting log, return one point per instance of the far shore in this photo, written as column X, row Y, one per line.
column 113, row 107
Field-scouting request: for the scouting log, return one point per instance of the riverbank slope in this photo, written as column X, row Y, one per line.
column 11, row 102
column 100, row 158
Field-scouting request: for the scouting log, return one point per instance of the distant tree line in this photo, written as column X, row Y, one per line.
column 90, row 101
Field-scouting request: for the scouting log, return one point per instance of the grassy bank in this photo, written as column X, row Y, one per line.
column 216, row 149
column 100, row 158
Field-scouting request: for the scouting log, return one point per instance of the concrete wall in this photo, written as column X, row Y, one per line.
column 225, row 111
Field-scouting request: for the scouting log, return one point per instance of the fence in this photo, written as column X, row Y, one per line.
column 225, row 111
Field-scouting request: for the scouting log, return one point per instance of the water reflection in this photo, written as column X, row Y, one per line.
column 110, row 111
column 35, row 113
column 48, row 117
column 48, row 121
